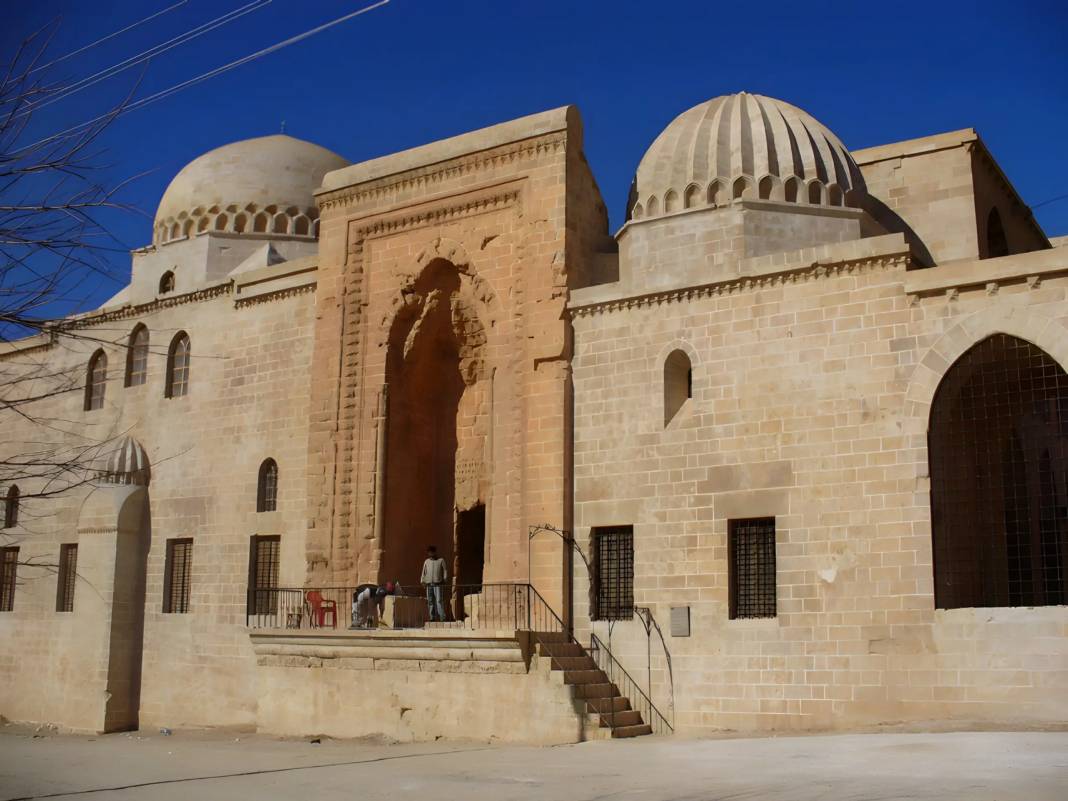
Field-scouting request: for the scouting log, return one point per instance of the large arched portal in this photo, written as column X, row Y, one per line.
column 437, row 426
column 998, row 444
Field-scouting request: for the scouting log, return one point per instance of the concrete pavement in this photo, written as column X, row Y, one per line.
column 978, row 766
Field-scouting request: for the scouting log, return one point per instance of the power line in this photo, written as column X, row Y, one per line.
column 103, row 39
column 145, row 55
column 1047, row 202
column 207, row 75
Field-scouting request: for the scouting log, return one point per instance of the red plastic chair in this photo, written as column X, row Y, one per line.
column 320, row 608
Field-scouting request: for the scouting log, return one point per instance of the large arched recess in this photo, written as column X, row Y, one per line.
column 438, row 422
column 998, row 454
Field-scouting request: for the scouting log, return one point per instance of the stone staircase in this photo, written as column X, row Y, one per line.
column 608, row 713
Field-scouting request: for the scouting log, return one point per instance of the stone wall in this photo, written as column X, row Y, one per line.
column 812, row 382
column 248, row 400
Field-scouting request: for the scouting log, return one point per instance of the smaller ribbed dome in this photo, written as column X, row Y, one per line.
column 743, row 146
column 126, row 463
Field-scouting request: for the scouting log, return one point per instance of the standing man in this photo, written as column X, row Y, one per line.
column 434, row 576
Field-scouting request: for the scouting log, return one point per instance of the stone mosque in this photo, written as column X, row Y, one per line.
column 788, row 451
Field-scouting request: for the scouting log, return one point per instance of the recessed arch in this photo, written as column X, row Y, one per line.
column 267, row 486
column 765, row 188
column 652, row 207
column 178, row 355
column 166, row 282
column 96, row 380
column 998, row 457
column 636, row 212
column 11, row 506
column 692, row 198
column 790, row 190
column 137, row 357
column 740, row 189
column 834, row 195
column 671, row 201
column 678, row 383
column 716, row 193
column 997, row 244
column 815, row 193
column 259, row 223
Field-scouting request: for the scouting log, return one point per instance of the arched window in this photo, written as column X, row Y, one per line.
column 765, row 187
column 96, row 379
column 166, row 282
column 815, row 193
column 678, row 383
column 137, row 357
column 996, row 242
column 178, row 366
column 998, row 449
column 11, row 507
column 267, row 487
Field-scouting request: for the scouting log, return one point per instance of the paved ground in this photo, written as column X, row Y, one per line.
column 977, row 766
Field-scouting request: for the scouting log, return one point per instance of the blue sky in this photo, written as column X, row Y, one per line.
column 419, row 70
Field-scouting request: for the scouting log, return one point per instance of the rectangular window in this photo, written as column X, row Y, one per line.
column 68, row 571
column 176, row 579
column 9, row 560
column 613, row 563
column 263, row 575
column 752, row 567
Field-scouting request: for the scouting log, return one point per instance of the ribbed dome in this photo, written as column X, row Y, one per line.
column 262, row 185
column 127, row 463
column 743, row 146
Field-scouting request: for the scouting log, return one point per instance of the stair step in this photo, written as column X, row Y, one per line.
column 604, row 690
column 618, row 720
column 560, row 649
column 632, row 731
column 618, row 703
column 573, row 663
column 593, row 676
column 551, row 637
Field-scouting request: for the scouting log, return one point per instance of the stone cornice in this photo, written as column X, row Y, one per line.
column 425, row 179
column 279, row 294
column 130, row 310
column 737, row 284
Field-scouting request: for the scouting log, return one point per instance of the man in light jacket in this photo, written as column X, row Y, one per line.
column 433, row 578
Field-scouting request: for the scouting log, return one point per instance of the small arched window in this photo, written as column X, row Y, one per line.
column 678, row 383
column 267, row 487
column 815, row 193
column 11, row 507
column 997, row 244
column 96, row 379
column 178, row 366
column 137, row 357
column 765, row 188
column 166, row 282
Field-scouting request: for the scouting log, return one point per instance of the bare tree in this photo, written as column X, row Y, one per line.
column 54, row 247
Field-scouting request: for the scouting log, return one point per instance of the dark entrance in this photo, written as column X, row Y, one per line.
column 471, row 548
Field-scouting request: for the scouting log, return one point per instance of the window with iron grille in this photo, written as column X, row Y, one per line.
column 751, row 544
column 137, row 357
column 613, row 561
column 263, row 575
column 998, row 450
column 9, row 560
column 68, row 572
column 267, row 489
column 177, row 575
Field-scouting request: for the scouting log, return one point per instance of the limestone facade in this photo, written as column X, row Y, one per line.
column 445, row 346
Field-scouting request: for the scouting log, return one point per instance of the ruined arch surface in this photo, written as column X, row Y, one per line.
column 437, row 416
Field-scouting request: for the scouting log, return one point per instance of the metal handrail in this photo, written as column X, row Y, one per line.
column 655, row 719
